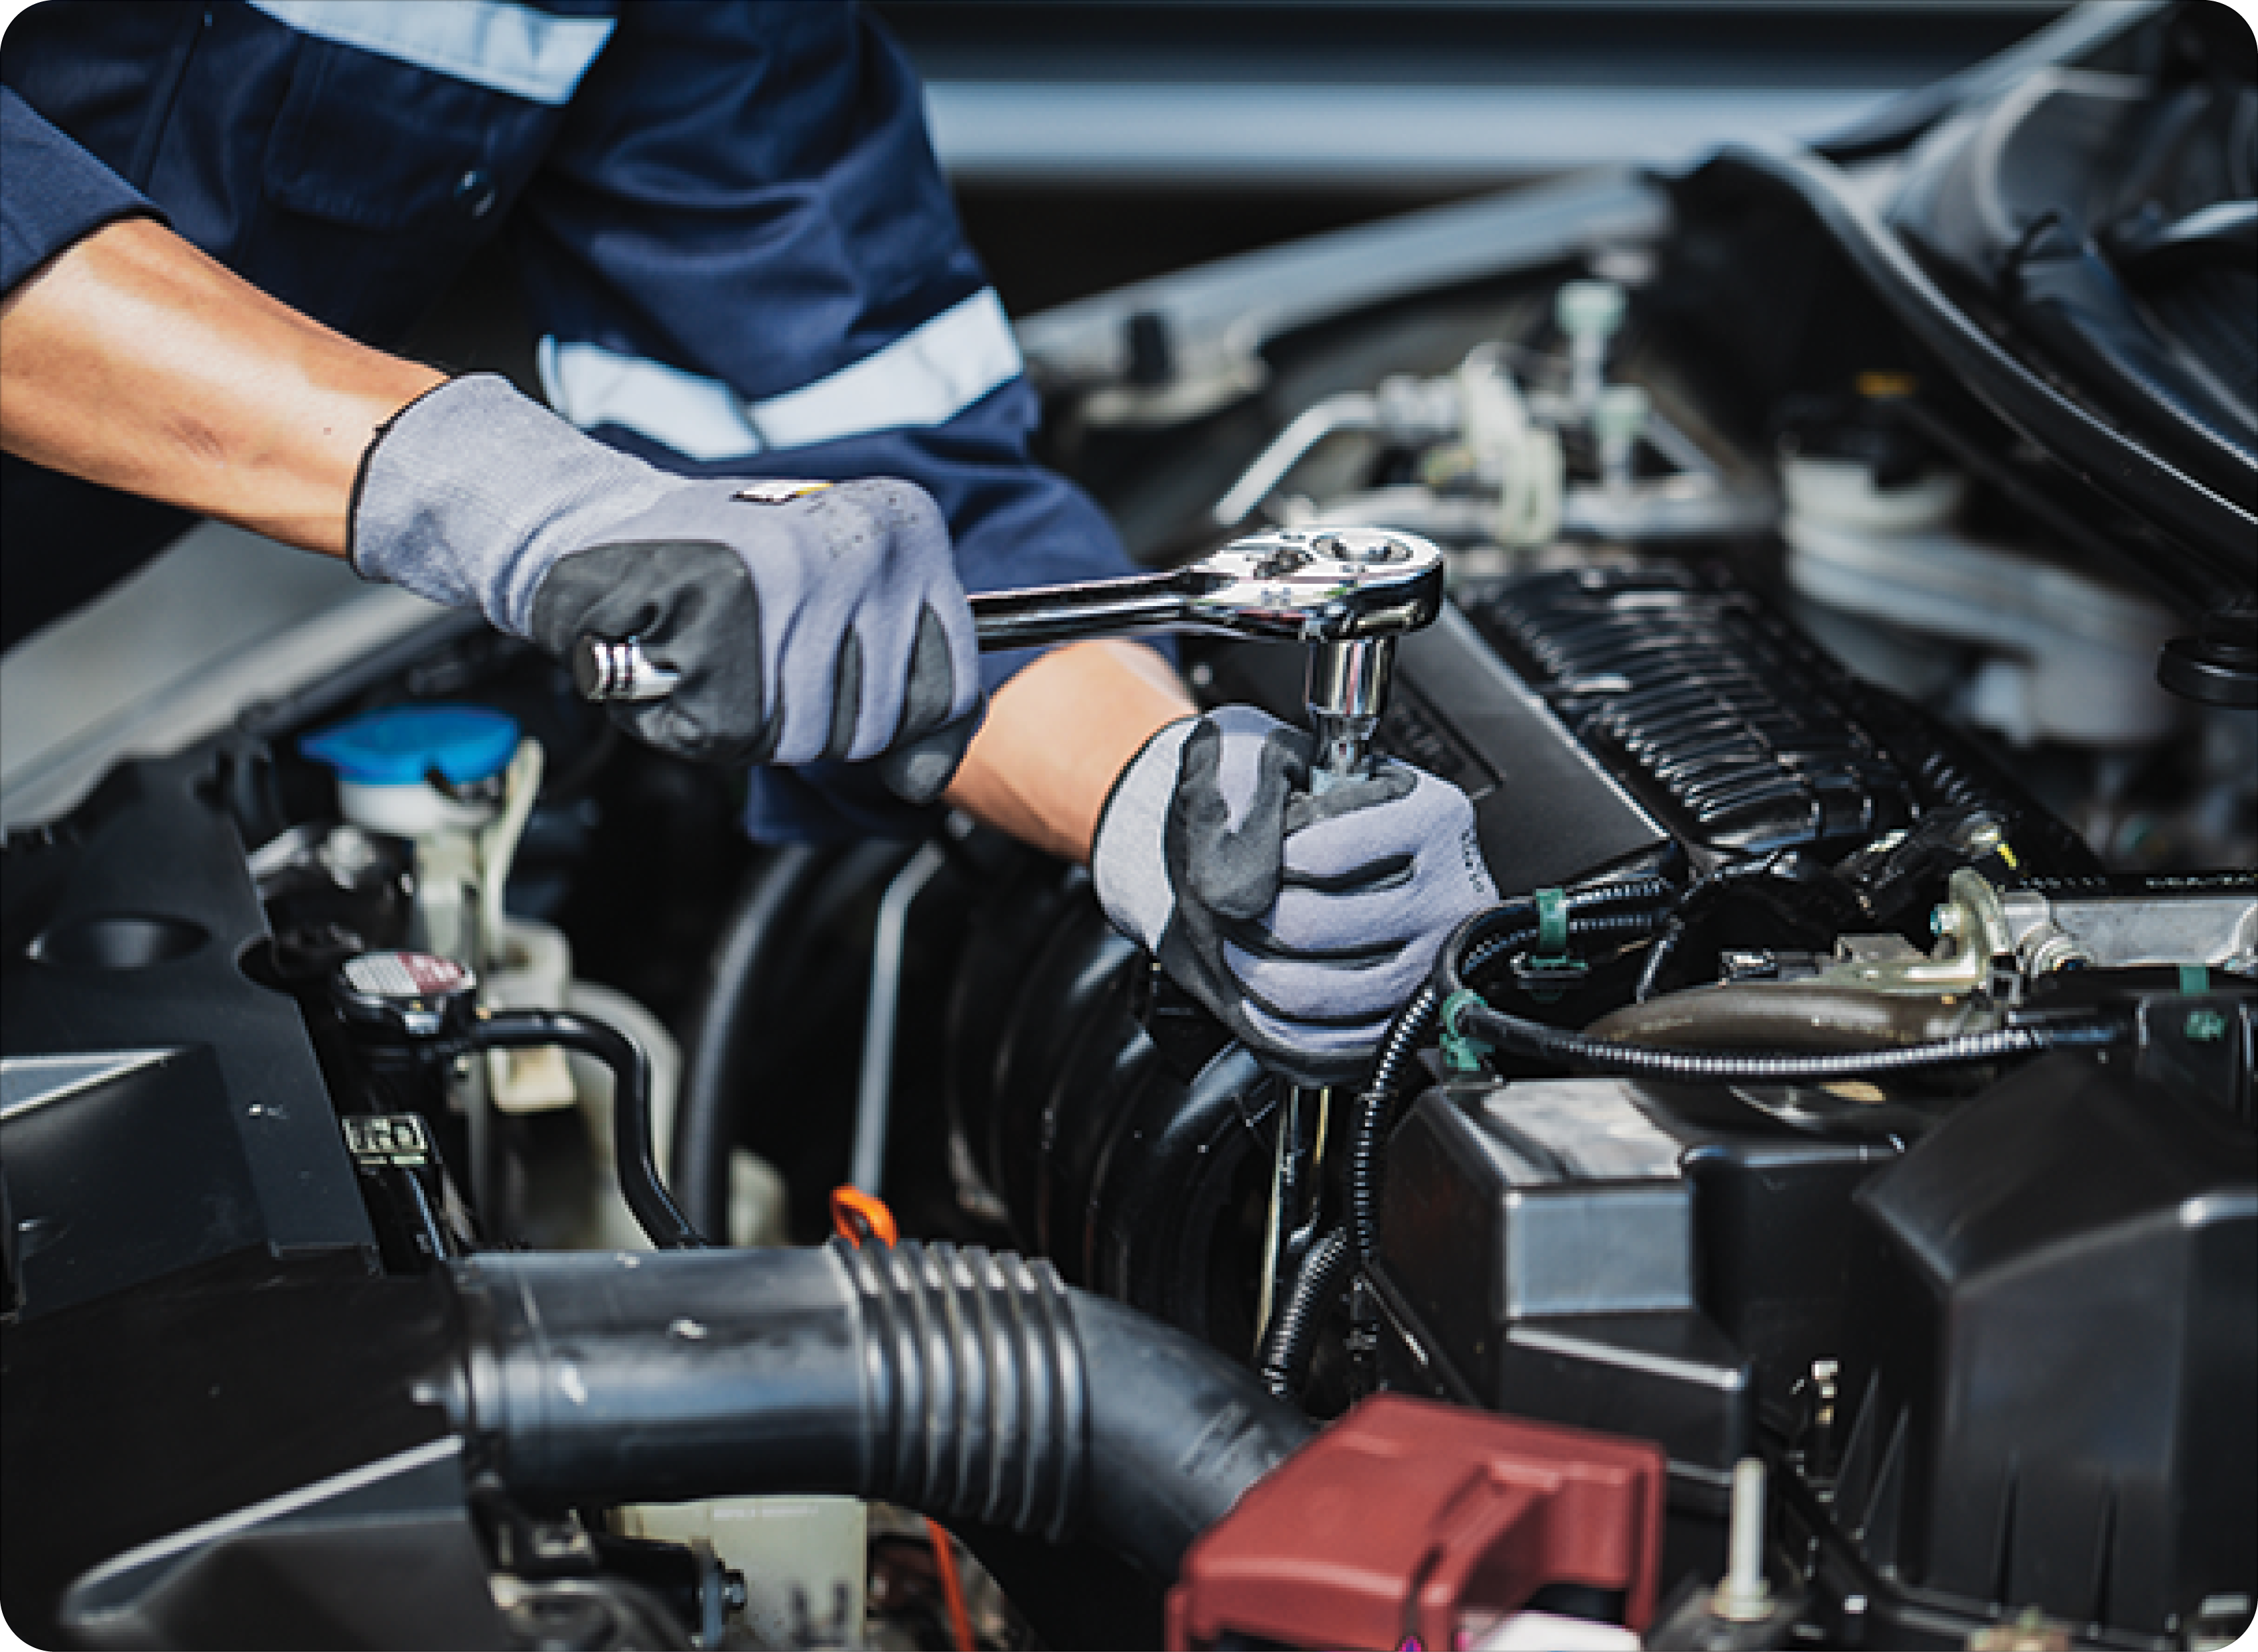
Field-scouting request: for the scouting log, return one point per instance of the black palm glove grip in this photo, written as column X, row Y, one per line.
column 803, row 621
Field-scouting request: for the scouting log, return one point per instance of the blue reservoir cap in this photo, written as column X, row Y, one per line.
column 399, row 745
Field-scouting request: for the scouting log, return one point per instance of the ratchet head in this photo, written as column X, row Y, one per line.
column 1324, row 585
column 1337, row 585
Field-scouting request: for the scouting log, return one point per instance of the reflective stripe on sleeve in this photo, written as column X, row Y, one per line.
column 924, row 378
column 536, row 55
column 698, row 418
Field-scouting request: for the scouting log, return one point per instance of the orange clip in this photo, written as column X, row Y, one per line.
column 857, row 1216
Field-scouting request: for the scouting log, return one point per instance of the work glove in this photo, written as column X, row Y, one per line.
column 1301, row 920
column 805, row 621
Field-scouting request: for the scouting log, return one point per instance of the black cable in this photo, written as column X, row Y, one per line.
column 1369, row 1116
column 1354, row 1244
column 1414, row 1025
column 1455, row 962
column 1477, row 943
column 1292, row 1333
column 1665, row 944
column 1609, row 1055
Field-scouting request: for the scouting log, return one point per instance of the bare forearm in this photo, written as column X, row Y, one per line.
column 1058, row 734
column 135, row 361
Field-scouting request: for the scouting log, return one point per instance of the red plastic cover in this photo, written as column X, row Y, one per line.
column 1410, row 1522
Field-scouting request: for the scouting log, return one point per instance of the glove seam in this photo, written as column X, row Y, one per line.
column 384, row 429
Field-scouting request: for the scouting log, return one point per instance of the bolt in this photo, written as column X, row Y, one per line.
column 1618, row 418
column 347, row 851
column 1823, row 1375
column 1744, row 1596
column 1588, row 313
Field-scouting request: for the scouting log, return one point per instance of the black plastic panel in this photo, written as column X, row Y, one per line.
column 1727, row 723
column 1546, row 809
column 122, row 931
column 132, row 1175
column 1653, row 1259
column 2056, row 1353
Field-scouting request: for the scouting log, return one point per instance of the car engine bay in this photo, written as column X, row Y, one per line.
column 1835, row 1155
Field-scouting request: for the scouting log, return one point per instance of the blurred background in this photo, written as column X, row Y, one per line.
column 1095, row 142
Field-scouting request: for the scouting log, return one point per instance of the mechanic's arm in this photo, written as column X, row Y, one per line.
column 828, row 626
column 1059, row 735
column 133, row 360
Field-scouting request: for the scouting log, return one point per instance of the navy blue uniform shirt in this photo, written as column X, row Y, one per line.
column 733, row 239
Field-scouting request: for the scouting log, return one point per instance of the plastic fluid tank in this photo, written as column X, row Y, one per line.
column 385, row 761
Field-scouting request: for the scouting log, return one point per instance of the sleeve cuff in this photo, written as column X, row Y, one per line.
column 53, row 192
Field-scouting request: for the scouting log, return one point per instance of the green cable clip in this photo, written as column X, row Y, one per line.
column 1549, row 970
column 1551, row 928
column 2202, row 1026
column 1462, row 1052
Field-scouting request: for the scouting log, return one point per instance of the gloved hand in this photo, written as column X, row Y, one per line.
column 825, row 624
column 1303, row 921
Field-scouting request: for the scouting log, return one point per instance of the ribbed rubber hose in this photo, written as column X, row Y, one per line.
column 965, row 1384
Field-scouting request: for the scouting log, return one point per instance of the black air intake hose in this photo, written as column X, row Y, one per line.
column 965, row 1384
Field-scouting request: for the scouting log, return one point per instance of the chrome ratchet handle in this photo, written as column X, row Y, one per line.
column 614, row 671
column 1045, row 614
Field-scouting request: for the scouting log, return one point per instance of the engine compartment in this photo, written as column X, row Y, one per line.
column 1815, row 533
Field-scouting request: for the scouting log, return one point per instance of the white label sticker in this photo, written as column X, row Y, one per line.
column 778, row 492
column 405, row 974
column 394, row 1139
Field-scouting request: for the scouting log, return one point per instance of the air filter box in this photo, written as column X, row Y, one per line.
column 1648, row 1260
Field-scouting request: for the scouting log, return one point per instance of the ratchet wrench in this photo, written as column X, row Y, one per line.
column 1347, row 593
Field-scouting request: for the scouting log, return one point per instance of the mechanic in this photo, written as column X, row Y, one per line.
column 737, row 246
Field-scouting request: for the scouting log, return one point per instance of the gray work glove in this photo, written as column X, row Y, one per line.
column 1303, row 921
column 822, row 623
